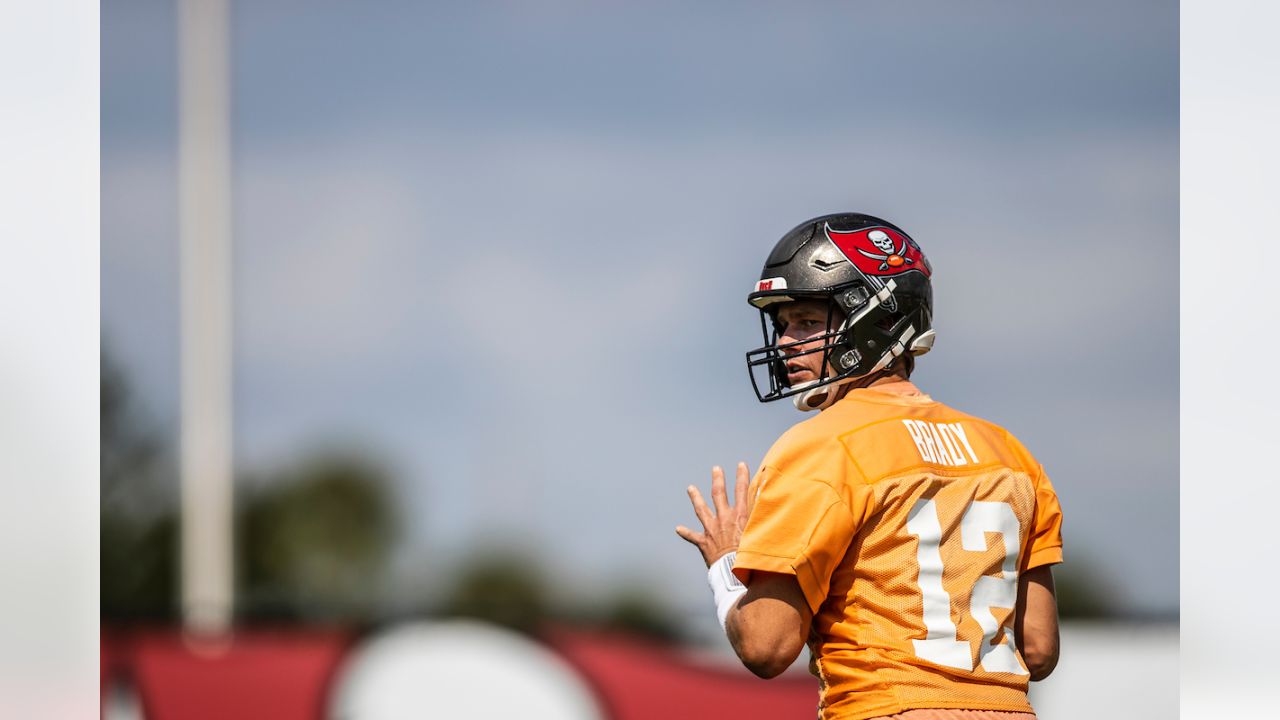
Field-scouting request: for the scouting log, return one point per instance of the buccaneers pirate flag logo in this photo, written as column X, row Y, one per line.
column 879, row 252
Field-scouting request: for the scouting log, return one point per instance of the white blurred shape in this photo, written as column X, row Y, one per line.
column 121, row 702
column 458, row 669
column 204, row 229
column 1112, row 671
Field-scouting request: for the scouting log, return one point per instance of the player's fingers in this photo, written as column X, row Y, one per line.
column 740, row 489
column 719, row 495
column 700, row 507
column 689, row 536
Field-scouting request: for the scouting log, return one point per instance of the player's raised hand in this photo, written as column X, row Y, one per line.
column 722, row 524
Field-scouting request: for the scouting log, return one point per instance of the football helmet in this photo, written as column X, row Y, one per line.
column 876, row 282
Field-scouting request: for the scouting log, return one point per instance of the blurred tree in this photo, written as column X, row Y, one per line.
column 138, row 531
column 510, row 588
column 313, row 542
column 638, row 612
column 503, row 588
column 1081, row 591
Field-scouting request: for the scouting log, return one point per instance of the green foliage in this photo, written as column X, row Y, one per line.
column 139, row 568
column 313, row 541
column 138, row 529
column 510, row 588
column 639, row 613
column 1080, row 591
column 505, row 589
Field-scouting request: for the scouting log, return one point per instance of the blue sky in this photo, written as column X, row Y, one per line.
column 507, row 248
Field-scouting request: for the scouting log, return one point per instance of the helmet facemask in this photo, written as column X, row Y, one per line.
column 870, row 337
column 768, row 364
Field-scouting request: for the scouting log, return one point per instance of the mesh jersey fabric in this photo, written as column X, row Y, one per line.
column 905, row 523
column 958, row 714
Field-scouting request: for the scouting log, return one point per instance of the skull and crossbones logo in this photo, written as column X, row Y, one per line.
column 892, row 257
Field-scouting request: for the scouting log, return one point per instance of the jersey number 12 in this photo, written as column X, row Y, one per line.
column 941, row 644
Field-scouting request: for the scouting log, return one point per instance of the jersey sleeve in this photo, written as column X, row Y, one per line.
column 798, row 526
column 1044, row 542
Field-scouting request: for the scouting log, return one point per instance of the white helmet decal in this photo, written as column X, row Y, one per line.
column 881, row 240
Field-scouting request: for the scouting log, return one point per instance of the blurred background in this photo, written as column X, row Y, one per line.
column 488, row 280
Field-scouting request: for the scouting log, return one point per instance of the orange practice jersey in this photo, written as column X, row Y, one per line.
column 906, row 524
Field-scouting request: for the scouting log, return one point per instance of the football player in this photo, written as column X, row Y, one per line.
column 908, row 544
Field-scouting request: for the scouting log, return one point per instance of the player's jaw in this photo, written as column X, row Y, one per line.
column 803, row 363
column 798, row 372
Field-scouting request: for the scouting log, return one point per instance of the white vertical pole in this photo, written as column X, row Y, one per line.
column 204, row 227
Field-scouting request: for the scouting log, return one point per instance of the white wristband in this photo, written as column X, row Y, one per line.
column 725, row 587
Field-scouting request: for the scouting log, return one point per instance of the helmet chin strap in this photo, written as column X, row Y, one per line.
column 819, row 398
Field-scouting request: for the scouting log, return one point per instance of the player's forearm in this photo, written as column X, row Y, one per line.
column 1038, row 643
column 762, row 654
column 766, row 633
column 1036, row 622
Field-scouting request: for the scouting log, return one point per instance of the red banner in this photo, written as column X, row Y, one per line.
column 879, row 251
